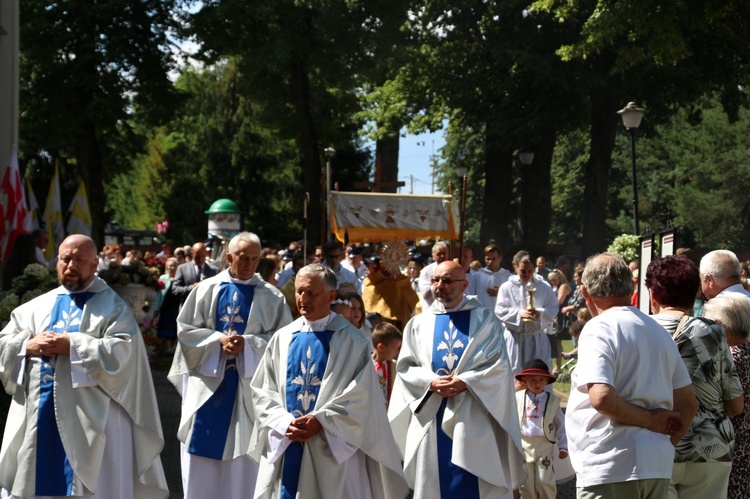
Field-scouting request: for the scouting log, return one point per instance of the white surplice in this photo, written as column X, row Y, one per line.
column 105, row 404
column 526, row 340
column 354, row 456
column 482, row 421
column 483, row 279
column 198, row 370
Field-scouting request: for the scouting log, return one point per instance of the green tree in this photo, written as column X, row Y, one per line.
column 87, row 70
column 491, row 68
column 305, row 63
column 664, row 55
column 218, row 147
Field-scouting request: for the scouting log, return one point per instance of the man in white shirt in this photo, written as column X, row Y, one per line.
column 541, row 268
column 720, row 274
column 439, row 255
column 631, row 393
column 354, row 263
column 41, row 238
column 485, row 283
column 333, row 251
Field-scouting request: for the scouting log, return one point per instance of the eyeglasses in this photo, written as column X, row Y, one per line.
column 331, row 256
column 445, row 280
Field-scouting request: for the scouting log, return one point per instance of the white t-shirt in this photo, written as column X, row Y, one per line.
column 631, row 352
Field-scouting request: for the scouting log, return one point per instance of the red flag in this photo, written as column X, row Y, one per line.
column 12, row 207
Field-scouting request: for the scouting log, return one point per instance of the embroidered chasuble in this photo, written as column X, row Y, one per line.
column 212, row 420
column 54, row 475
column 451, row 335
column 307, row 361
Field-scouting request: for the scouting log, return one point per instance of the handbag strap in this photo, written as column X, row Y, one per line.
column 680, row 326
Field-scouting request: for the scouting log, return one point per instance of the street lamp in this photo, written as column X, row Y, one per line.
column 329, row 152
column 631, row 118
column 526, row 156
column 462, row 172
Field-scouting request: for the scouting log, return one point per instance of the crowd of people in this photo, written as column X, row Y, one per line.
column 344, row 373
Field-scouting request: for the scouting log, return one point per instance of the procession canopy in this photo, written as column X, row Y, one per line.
column 376, row 217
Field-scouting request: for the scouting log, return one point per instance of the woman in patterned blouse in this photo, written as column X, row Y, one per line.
column 703, row 458
column 733, row 312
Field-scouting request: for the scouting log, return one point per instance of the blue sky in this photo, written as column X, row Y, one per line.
column 414, row 159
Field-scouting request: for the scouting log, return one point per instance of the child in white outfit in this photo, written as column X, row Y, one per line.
column 542, row 425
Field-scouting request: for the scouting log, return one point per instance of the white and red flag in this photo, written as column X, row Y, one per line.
column 13, row 208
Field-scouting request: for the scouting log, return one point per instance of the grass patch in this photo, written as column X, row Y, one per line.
column 562, row 390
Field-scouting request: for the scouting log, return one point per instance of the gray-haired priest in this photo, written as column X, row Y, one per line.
column 84, row 419
column 223, row 329
column 322, row 430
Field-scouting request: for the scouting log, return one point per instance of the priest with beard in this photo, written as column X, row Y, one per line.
column 223, row 329
column 321, row 430
column 84, row 419
column 452, row 409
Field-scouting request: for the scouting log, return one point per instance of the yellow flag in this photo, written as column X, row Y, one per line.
column 53, row 218
column 79, row 221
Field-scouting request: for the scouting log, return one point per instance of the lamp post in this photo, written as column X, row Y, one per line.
column 330, row 152
column 526, row 157
column 631, row 118
column 462, row 172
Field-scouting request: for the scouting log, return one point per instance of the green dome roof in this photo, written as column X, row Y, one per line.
column 223, row 206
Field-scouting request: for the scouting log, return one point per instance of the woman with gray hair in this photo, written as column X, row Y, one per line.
column 733, row 312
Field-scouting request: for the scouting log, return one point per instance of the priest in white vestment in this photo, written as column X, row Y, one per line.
column 84, row 419
column 485, row 283
column 453, row 410
column 223, row 329
column 525, row 329
column 321, row 430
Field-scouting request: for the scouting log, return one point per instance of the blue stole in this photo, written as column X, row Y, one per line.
column 306, row 364
column 450, row 338
column 212, row 420
column 54, row 475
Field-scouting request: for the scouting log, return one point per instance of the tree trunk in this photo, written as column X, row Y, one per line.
column 307, row 142
column 538, row 205
column 498, row 189
column 90, row 169
column 386, row 162
column 604, row 119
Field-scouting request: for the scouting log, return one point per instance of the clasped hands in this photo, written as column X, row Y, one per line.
column 232, row 345
column 303, row 428
column 447, row 386
column 666, row 422
column 48, row 344
column 530, row 314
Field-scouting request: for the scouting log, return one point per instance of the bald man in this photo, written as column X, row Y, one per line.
column 453, row 375
column 191, row 273
column 84, row 419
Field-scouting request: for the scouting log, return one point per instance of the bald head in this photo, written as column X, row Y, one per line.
column 77, row 261
column 199, row 254
column 449, row 283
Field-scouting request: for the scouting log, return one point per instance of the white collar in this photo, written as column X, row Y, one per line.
column 317, row 325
